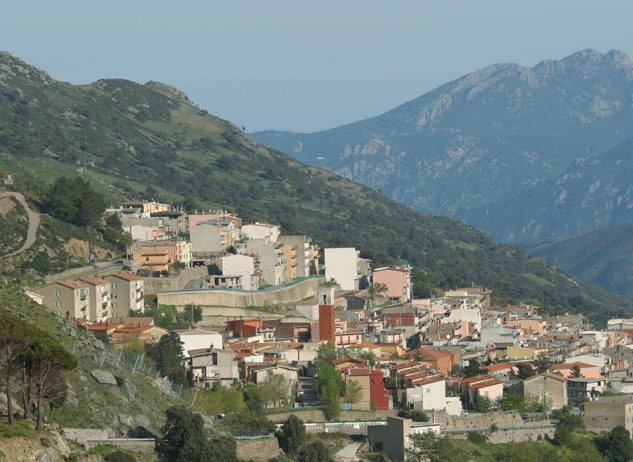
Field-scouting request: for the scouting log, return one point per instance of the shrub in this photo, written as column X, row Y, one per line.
column 119, row 456
column 476, row 438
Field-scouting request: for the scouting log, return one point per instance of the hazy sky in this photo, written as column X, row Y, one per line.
column 299, row 65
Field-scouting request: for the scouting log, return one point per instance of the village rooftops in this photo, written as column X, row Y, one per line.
column 128, row 276
column 72, row 284
column 93, row 280
column 560, row 378
column 486, row 383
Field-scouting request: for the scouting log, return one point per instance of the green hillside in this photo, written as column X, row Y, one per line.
column 603, row 256
column 149, row 141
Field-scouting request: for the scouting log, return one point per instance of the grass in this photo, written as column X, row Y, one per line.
column 477, row 452
column 21, row 428
column 538, row 280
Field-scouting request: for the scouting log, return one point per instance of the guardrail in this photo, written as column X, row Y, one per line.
column 484, row 429
column 252, row 435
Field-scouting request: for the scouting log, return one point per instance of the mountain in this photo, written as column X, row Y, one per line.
column 594, row 192
column 481, row 138
column 150, row 141
column 602, row 256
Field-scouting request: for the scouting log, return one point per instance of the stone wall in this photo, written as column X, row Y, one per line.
column 264, row 449
column 507, row 436
column 500, row 419
column 85, row 433
column 316, row 415
column 144, row 447
column 175, row 282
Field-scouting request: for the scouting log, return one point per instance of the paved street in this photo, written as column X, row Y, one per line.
column 348, row 453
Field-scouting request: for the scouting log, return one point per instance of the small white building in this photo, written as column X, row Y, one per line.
column 345, row 266
column 261, row 231
column 245, row 265
column 196, row 339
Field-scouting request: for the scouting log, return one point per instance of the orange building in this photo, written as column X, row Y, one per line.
column 440, row 360
column 327, row 327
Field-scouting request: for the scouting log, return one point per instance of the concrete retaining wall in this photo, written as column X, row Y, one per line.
column 84, row 434
column 257, row 449
column 241, row 299
column 144, row 447
column 176, row 282
column 316, row 415
column 483, row 420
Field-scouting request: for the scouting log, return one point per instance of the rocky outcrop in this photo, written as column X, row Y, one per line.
column 48, row 447
column 103, row 377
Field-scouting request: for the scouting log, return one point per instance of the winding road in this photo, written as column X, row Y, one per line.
column 34, row 223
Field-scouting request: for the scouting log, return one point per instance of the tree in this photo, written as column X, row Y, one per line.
column 525, row 371
column 168, row 357
column 326, row 351
column 457, row 371
column 619, row 445
column 113, row 221
column 512, row 402
column 316, row 451
column 75, row 202
column 292, row 435
column 429, row 447
column 16, row 337
column 542, row 362
column 575, row 372
column 119, row 456
column 276, row 388
column 562, row 436
column 353, row 392
column 473, row 369
column 482, row 403
column 47, row 361
column 330, row 387
column 181, row 427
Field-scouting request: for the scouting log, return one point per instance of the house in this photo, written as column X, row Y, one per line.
column 259, row 230
column 544, row 386
column 371, row 380
column 178, row 251
column 145, row 207
column 397, row 279
column 272, row 261
column 100, row 298
column 499, row 335
column 244, row 327
column 345, row 266
column 395, row 437
column 290, row 251
column 206, row 366
column 586, row 370
column 223, row 282
column 307, row 254
column 70, row 297
column 529, row 352
column 245, row 265
column 608, row 412
column 584, row 389
column 260, row 374
column 127, row 293
column 153, row 260
column 429, row 394
column 482, row 385
column 207, row 239
column 196, row 339
column 147, row 334
column 441, row 360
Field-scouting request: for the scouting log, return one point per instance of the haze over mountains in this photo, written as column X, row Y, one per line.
column 497, row 147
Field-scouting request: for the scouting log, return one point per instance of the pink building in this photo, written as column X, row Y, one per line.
column 529, row 325
column 397, row 279
column 586, row 370
column 213, row 215
column 484, row 385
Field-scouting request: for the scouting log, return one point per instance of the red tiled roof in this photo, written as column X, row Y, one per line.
column 128, row 276
column 93, row 280
column 581, row 365
column 72, row 283
column 485, row 384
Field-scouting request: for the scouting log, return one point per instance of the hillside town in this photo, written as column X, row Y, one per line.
column 454, row 357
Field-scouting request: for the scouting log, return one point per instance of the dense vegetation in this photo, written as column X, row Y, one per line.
column 148, row 141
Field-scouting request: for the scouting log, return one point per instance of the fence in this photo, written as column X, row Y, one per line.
column 252, row 435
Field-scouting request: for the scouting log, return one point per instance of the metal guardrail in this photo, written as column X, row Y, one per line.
column 252, row 435
column 121, row 440
column 244, row 291
column 484, row 429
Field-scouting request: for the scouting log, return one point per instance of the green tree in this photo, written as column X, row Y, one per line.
column 482, row 403
column 562, row 436
column 512, row 402
column 428, row 447
column 292, row 435
column 330, row 387
column 619, row 445
column 181, row 427
column 473, row 369
column 167, row 355
column 353, row 392
column 542, row 362
column 326, row 351
column 113, row 221
column 16, row 337
column 315, row 451
column 575, row 372
column 525, row 371
column 75, row 202
column 119, row 456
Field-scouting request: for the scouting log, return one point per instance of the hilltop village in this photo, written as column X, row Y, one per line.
column 265, row 307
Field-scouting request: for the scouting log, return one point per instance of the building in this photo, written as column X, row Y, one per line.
column 100, row 298
column 608, row 412
column 245, row 265
column 327, row 328
column 398, row 281
column 586, row 370
column 584, row 389
column 127, row 293
column 482, row 385
column 307, row 254
column 208, row 239
column 371, row 381
column 544, row 387
column 441, row 360
column 345, row 266
column 290, row 251
column 70, row 298
column 395, row 437
column 272, row 261
column 261, row 231
column 196, row 339
column 145, row 207
column 152, row 260
column 428, row 395
column 209, row 365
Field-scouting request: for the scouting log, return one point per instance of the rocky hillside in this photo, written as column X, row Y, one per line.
column 150, row 141
column 481, row 138
column 594, row 192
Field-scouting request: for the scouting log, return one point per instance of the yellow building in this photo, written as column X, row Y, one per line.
column 291, row 260
column 528, row 352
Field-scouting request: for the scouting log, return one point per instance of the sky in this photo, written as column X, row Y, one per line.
column 299, row 65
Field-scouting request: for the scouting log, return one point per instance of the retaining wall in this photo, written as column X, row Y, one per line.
column 265, row 449
column 316, row 415
column 175, row 282
column 508, row 436
column 240, row 299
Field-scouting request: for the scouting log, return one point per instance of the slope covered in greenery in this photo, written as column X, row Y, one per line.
column 149, row 141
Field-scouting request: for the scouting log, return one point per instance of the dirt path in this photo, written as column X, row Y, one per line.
column 34, row 222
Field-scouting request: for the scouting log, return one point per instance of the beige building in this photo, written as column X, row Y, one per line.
column 608, row 412
column 67, row 298
column 152, row 260
column 394, row 437
column 544, row 387
column 261, row 231
column 291, row 260
column 100, row 298
column 307, row 254
column 209, row 365
column 207, row 239
column 146, row 207
column 128, row 291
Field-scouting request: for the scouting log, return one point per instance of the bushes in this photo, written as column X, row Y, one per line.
column 476, row 438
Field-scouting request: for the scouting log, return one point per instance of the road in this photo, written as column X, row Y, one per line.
column 348, row 453
column 34, row 223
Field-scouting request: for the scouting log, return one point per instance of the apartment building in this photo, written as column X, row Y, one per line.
column 127, row 293
column 69, row 298
column 100, row 298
